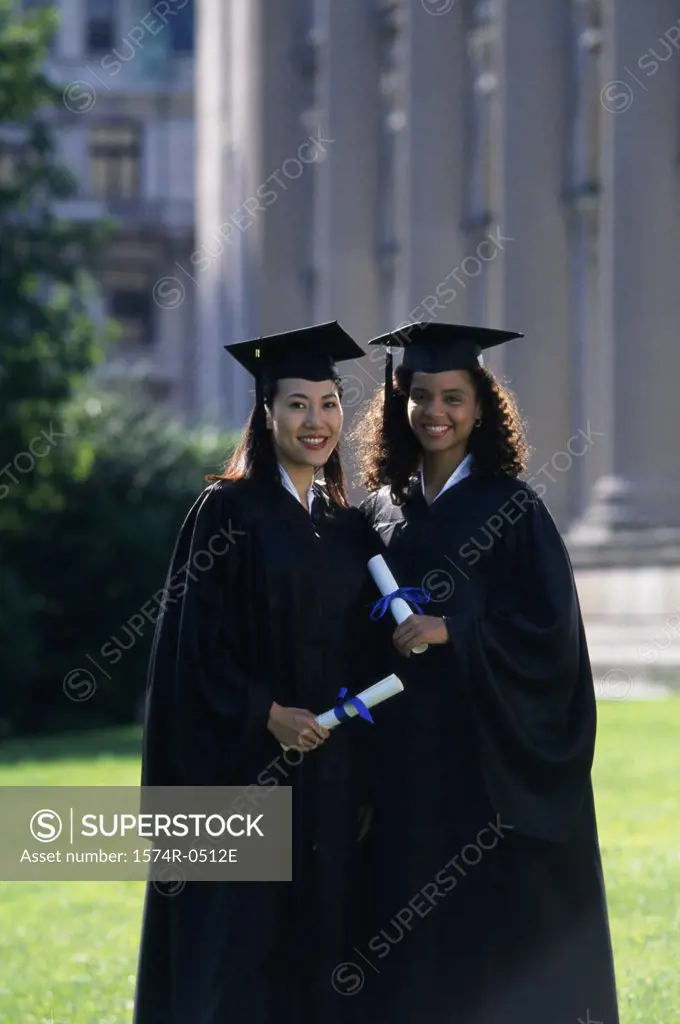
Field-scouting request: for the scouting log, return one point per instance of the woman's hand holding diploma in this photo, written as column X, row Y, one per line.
column 307, row 735
column 417, row 630
column 296, row 727
column 393, row 597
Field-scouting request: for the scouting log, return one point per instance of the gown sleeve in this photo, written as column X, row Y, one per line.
column 205, row 709
column 522, row 657
column 367, row 510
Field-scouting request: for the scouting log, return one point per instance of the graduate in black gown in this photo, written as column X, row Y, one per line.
column 486, row 888
column 263, row 613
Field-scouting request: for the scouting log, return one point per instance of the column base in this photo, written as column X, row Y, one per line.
column 632, row 622
column 628, row 523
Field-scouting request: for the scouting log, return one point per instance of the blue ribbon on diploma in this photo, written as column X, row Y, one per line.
column 356, row 702
column 414, row 595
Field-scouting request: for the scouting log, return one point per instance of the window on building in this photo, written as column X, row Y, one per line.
column 181, row 24
column 115, row 161
column 131, row 305
column 102, row 25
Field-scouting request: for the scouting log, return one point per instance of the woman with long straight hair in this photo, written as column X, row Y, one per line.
column 488, row 897
column 261, row 629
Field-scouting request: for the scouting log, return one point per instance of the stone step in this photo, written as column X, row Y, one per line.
column 617, row 684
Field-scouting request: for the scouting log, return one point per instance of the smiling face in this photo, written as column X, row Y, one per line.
column 442, row 408
column 305, row 420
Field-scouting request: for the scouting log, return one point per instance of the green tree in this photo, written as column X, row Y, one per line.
column 48, row 341
column 48, row 338
column 94, row 482
column 97, row 563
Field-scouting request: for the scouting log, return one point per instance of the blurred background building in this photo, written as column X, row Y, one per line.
column 127, row 131
column 513, row 164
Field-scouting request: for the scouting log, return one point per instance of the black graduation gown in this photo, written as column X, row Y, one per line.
column 482, row 778
column 276, row 616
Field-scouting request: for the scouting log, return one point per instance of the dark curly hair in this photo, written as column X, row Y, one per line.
column 254, row 457
column 388, row 452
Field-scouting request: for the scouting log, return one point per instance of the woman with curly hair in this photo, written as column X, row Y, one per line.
column 485, row 887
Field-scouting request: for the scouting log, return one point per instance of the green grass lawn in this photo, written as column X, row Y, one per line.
column 68, row 950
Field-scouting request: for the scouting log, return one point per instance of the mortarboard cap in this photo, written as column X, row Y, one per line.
column 435, row 347
column 308, row 352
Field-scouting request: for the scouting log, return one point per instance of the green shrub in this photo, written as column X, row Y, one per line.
column 79, row 572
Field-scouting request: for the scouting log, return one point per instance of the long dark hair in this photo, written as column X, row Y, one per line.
column 254, row 457
column 388, row 451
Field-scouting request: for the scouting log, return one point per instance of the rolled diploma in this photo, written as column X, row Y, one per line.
column 386, row 584
column 376, row 694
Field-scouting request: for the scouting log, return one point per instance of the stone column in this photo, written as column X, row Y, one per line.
column 637, row 499
column 393, row 32
column 292, row 149
column 348, row 184
column 241, row 270
column 252, row 153
column 434, row 243
column 70, row 39
column 206, row 267
column 583, row 192
column 530, row 281
column 482, row 165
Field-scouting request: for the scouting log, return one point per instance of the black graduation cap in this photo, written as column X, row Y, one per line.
column 436, row 347
column 308, row 352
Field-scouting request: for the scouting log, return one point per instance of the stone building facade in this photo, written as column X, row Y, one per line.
column 512, row 163
column 126, row 129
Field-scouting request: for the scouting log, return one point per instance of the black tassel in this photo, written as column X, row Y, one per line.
column 389, row 363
